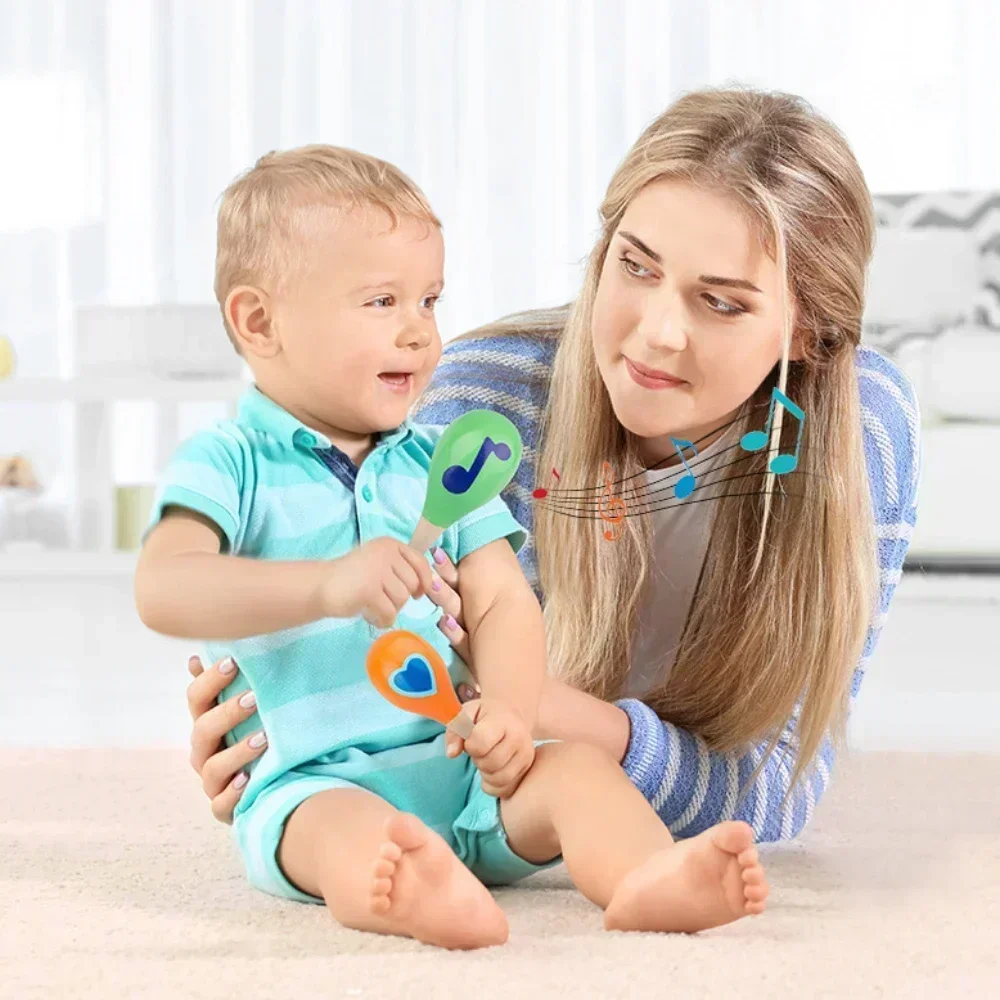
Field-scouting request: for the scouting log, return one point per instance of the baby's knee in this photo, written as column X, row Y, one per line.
column 577, row 758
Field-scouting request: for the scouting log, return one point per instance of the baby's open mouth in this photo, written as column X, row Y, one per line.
column 398, row 380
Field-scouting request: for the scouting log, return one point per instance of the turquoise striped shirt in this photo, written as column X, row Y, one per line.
column 279, row 490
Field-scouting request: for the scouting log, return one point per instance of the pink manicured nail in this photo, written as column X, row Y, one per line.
column 227, row 666
column 450, row 622
column 248, row 700
column 439, row 556
column 241, row 779
column 435, row 583
column 257, row 740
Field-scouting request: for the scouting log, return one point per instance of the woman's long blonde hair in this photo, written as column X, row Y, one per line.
column 789, row 583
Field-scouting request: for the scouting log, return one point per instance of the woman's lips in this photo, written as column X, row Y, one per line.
column 648, row 381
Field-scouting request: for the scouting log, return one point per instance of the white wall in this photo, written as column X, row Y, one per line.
column 124, row 119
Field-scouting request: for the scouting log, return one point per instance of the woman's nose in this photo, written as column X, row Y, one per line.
column 665, row 327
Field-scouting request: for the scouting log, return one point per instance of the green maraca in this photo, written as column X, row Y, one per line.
column 474, row 460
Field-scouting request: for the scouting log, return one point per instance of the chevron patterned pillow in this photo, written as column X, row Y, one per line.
column 977, row 212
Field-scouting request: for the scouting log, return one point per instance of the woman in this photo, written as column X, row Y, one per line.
column 724, row 297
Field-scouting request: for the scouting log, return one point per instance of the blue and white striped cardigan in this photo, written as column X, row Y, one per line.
column 690, row 786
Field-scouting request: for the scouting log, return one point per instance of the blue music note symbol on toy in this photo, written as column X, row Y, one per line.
column 684, row 486
column 755, row 440
column 455, row 479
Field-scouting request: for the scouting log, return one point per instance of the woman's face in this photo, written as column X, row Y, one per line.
column 687, row 318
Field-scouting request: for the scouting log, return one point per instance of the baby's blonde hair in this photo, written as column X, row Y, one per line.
column 260, row 220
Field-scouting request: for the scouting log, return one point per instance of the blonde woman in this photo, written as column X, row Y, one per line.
column 714, row 638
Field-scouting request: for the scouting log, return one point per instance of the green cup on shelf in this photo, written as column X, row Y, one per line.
column 132, row 507
column 8, row 359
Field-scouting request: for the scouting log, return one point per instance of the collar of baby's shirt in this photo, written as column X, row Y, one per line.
column 262, row 412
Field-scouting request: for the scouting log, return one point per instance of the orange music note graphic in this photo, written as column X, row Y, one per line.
column 613, row 504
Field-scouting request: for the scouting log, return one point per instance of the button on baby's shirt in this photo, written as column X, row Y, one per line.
column 367, row 493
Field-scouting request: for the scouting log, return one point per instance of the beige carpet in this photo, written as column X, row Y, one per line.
column 117, row 883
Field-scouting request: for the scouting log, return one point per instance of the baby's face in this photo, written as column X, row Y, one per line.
column 356, row 323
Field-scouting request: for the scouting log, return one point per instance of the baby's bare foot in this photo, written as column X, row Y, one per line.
column 703, row 882
column 423, row 891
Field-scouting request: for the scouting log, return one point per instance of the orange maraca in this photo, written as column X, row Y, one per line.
column 409, row 673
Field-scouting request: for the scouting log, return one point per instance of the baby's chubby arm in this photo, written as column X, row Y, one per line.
column 185, row 586
column 505, row 627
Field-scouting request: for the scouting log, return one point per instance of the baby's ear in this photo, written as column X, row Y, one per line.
column 250, row 317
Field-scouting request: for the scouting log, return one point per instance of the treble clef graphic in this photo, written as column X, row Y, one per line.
column 614, row 506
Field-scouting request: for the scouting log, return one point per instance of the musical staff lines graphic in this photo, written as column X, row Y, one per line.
column 690, row 482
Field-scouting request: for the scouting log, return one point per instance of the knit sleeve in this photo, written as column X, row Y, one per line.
column 692, row 787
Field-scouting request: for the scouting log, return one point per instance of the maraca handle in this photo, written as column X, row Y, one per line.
column 424, row 534
column 462, row 725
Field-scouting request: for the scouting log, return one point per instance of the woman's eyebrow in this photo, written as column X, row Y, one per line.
column 711, row 279
column 706, row 279
column 639, row 245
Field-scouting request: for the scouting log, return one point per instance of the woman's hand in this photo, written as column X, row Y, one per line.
column 220, row 767
column 444, row 593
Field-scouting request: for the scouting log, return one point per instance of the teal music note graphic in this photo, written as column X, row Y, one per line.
column 457, row 479
column 684, row 486
column 755, row 440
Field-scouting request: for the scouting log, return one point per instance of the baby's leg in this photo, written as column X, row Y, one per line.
column 577, row 800
column 382, row 870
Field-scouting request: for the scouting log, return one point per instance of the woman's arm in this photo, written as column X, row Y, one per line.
column 564, row 713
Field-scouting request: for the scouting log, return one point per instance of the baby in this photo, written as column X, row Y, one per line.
column 281, row 535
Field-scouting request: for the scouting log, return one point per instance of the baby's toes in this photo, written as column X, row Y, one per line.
column 390, row 851
column 755, row 889
column 384, row 868
column 381, row 887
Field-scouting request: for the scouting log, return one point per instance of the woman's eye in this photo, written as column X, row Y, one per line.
column 633, row 267
column 723, row 308
column 383, row 301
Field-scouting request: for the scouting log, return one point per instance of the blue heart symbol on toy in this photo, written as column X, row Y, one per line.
column 414, row 679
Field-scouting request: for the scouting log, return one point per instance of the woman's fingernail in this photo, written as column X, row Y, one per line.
column 258, row 740
column 439, row 556
column 194, row 661
column 248, row 700
column 241, row 779
column 435, row 583
column 227, row 666
column 450, row 623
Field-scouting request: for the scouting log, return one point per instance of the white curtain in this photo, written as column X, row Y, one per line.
column 122, row 121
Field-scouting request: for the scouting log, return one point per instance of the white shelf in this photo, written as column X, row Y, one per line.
column 916, row 587
column 50, row 563
column 86, row 389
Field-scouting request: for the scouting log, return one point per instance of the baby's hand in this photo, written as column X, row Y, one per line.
column 375, row 581
column 500, row 745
